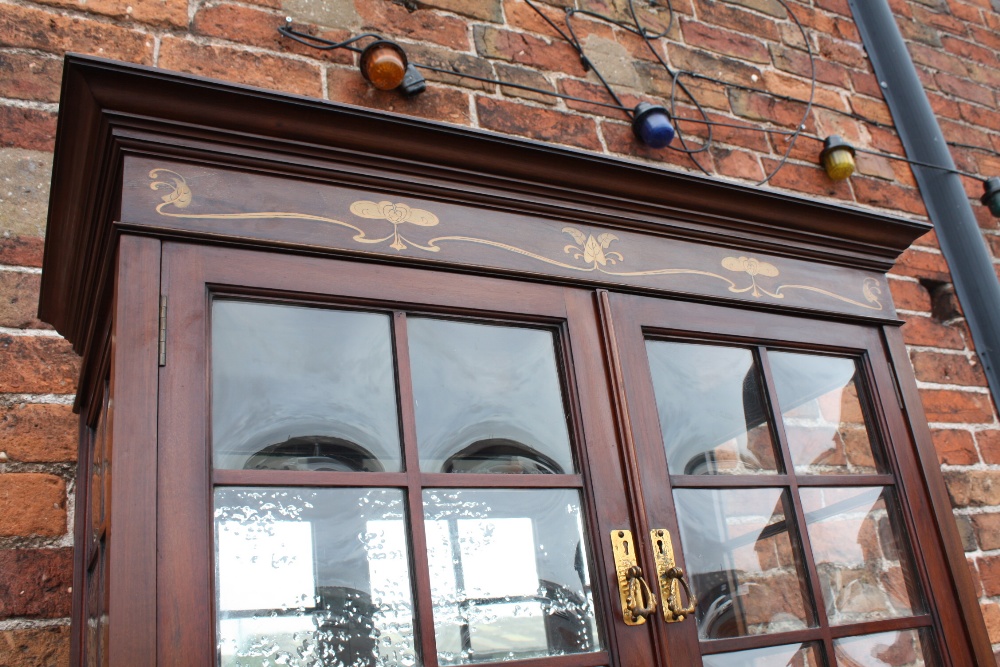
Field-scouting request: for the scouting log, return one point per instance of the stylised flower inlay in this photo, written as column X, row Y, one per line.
column 180, row 193
column 591, row 249
column 753, row 267
column 397, row 214
column 750, row 265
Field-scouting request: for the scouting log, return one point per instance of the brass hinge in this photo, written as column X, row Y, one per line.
column 162, row 340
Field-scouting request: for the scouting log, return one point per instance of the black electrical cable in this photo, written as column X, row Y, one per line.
column 640, row 30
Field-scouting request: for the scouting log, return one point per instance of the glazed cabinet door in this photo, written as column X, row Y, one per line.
column 367, row 465
column 777, row 475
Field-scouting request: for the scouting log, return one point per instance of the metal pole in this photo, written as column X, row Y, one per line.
column 947, row 203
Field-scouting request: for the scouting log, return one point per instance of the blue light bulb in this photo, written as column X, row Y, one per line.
column 652, row 125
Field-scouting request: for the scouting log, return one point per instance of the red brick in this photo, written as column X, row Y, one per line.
column 909, row 295
column 454, row 61
column 955, row 447
column 392, row 19
column 845, row 53
column 620, row 139
column 944, row 105
column 35, row 647
column 927, row 331
column 30, row 28
column 953, row 406
column 19, row 300
column 940, row 20
column 937, row 59
column 487, row 10
column 38, row 433
column 21, row 251
column 964, row 134
column 537, row 123
column 36, row 582
column 526, row 77
column 726, row 42
column 991, row 614
column 875, row 192
column 920, row 264
column 240, row 66
column 747, row 135
column 748, row 23
column 246, row 25
column 437, row 102
column 810, row 179
column 29, row 77
column 780, row 83
column 973, row 488
column 989, row 574
column 737, row 163
column 989, row 446
column 964, row 89
column 735, row 69
column 154, row 12
column 596, row 92
column 871, row 109
column 970, row 50
column 866, row 83
column 32, row 129
column 835, row 6
column 32, row 504
column 795, row 61
column 987, row 527
column 521, row 16
column 37, row 365
column 767, row 108
column 525, row 49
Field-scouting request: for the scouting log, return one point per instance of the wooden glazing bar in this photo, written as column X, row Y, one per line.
column 714, row 646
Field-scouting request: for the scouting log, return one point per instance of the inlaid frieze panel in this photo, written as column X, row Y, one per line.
column 192, row 199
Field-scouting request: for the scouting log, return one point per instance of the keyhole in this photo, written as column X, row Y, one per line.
column 625, row 547
column 659, row 546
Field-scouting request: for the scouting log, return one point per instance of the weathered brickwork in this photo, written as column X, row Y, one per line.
column 752, row 45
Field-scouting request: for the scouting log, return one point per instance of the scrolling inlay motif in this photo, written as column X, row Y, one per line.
column 589, row 253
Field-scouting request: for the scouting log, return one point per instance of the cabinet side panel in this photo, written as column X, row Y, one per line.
column 132, row 534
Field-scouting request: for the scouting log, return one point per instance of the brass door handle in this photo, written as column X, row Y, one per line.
column 637, row 599
column 671, row 579
column 635, row 594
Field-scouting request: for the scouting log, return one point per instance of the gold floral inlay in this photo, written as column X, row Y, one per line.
column 590, row 252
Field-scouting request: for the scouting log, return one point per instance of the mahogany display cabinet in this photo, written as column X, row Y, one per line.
column 367, row 390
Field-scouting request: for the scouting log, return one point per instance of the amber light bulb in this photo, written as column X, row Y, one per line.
column 837, row 158
column 383, row 64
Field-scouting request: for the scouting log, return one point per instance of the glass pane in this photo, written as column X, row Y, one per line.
column 789, row 655
column 712, row 413
column 509, row 574
column 487, row 399
column 302, row 389
column 903, row 648
column 860, row 553
column 743, row 562
column 313, row 577
column 823, row 419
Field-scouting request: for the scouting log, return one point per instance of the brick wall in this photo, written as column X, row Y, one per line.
column 746, row 42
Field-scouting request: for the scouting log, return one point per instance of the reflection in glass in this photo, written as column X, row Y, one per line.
column 864, row 569
column 712, row 413
column 789, row 655
column 824, row 422
column 313, row 577
column 904, row 648
column 302, row 389
column 509, row 574
column 487, row 393
column 742, row 561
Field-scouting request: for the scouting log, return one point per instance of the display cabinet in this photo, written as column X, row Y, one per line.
column 363, row 390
